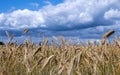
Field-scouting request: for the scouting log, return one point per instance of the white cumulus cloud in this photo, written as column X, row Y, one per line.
column 1, row 17
column 112, row 14
column 21, row 19
column 70, row 13
column 79, row 15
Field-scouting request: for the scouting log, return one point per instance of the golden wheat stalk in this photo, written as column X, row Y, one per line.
column 108, row 34
column 71, row 65
column 9, row 36
column 25, row 31
column 7, row 33
column 103, row 41
column 117, row 42
column 46, row 62
column 39, row 49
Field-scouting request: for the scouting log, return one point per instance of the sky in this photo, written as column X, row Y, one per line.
column 84, row 19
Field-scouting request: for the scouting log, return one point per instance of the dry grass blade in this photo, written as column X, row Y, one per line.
column 11, row 37
column 25, row 31
column 78, row 73
column 109, row 33
column 40, row 33
column 51, row 71
column 46, row 62
column 71, row 65
column 95, row 68
column 26, row 59
column 63, row 41
column 55, row 38
column 60, row 71
column 7, row 33
column 106, row 35
column 37, row 63
column 117, row 42
column 103, row 41
column 37, row 51
column 45, row 42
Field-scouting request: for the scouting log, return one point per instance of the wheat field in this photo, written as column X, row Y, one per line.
column 61, row 58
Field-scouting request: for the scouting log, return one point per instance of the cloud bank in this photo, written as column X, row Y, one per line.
column 71, row 18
